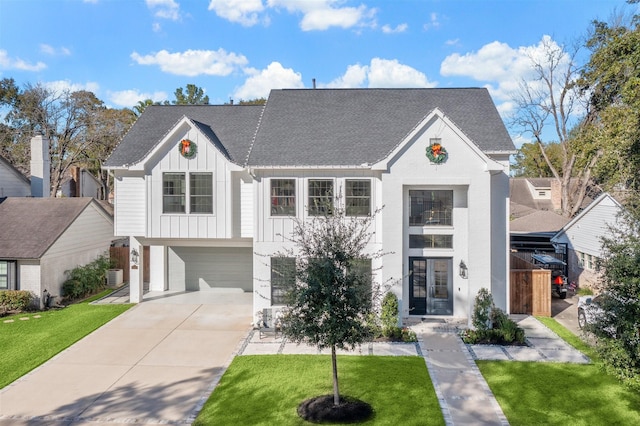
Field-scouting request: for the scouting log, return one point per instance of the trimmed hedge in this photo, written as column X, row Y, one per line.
column 15, row 300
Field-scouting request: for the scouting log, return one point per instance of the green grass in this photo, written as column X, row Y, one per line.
column 267, row 389
column 28, row 343
column 536, row 393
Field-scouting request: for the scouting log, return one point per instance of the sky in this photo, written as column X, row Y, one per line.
column 126, row 51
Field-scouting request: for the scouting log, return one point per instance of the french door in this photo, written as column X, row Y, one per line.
column 430, row 286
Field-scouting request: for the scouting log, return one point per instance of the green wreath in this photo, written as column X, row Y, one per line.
column 436, row 153
column 187, row 148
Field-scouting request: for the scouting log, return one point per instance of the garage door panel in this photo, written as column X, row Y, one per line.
column 205, row 268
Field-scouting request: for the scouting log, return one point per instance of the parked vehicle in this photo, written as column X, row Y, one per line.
column 557, row 267
column 588, row 310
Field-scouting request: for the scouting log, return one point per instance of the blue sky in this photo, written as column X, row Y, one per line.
column 127, row 51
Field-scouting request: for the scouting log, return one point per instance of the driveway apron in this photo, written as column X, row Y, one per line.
column 156, row 363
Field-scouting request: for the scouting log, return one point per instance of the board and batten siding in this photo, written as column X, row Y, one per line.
column 12, row 185
column 88, row 237
column 130, row 204
column 207, row 160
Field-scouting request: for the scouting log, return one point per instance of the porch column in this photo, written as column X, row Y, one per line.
column 136, row 274
column 158, row 268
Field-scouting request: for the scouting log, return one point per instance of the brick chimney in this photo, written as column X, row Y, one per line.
column 40, row 166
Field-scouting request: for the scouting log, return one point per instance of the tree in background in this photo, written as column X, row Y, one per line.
column 331, row 301
column 81, row 129
column 611, row 78
column 194, row 96
column 550, row 99
column 529, row 163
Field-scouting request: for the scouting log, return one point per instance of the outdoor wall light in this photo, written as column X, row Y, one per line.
column 135, row 256
column 463, row 269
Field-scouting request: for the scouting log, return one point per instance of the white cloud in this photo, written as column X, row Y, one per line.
column 381, row 73
column 244, row 12
column 165, row 9
column 130, row 98
column 50, row 50
column 387, row 29
column 434, row 22
column 325, row 17
column 61, row 86
column 260, row 82
column 9, row 63
column 193, row 62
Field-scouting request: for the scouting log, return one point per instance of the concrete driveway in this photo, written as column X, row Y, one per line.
column 565, row 311
column 156, row 363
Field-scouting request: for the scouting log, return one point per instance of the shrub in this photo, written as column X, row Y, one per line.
column 15, row 300
column 491, row 324
column 87, row 279
column 389, row 314
column 481, row 317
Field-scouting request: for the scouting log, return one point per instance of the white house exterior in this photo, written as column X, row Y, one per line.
column 12, row 182
column 582, row 237
column 216, row 214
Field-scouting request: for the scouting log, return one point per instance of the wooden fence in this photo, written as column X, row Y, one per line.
column 120, row 258
column 530, row 288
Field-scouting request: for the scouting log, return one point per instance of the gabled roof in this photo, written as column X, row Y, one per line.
column 537, row 222
column 320, row 127
column 29, row 226
column 232, row 126
column 17, row 172
column 604, row 196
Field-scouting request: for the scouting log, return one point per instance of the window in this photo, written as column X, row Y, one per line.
column 358, row 197
column 6, row 275
column 581, row 262
column 283, row 276
column 430, row 241
column 431, row 208
column 173, row 193
column 362, row 268
column 320, row 197
column 283, row 197
column 201, row 192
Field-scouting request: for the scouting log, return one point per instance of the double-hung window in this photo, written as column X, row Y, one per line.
column 320, row 197
column 283, row 277
column 283, row 197
column 358, row 197
column 199, row 190
column 7, row 275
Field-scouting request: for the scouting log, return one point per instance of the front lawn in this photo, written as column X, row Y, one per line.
column 558, row 393
column 266, row 389
column 28, row 340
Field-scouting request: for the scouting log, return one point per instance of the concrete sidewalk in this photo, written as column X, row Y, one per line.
column 157, row 363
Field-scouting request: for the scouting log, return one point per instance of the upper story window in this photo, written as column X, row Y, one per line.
column 431, row 208
column 173, row 193
column 283, row 197
column 358, row 197
column 320, row 197
column 200, row 190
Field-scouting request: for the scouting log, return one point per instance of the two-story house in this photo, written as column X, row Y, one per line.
column 214, row 190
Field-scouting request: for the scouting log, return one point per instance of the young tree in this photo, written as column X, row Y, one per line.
column 618, row 327
column 550, row 99
column 332, row 298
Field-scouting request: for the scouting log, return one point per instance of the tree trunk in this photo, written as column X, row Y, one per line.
column 334, row 364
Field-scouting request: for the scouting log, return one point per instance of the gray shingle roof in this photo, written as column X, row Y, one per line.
column 29, row 226
column 321, row 127
column 232, row 127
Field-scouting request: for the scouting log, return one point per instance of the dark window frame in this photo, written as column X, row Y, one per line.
column 430, row 207
column 283, row 276
column 198, row 203
column 174, row 195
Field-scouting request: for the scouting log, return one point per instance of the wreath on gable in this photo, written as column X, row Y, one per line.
column 436, row 153
column 187, row 148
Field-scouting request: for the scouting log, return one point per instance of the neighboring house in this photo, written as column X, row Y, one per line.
column 12, row 182
column 41, row 238
column 214, row 191
column 80, row 182
column 583, row 238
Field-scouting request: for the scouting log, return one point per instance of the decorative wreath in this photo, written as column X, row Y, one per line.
column 436, row 153
column 187, row 148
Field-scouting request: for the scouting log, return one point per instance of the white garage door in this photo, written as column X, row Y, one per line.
column 204, row 268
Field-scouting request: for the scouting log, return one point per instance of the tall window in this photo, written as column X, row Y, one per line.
column 320, row 197
column 431, row 208
column 173, row 193
column 201, row 192
column 283, row 276
column 283, row 197
column 4, row 275
column 358, row 197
